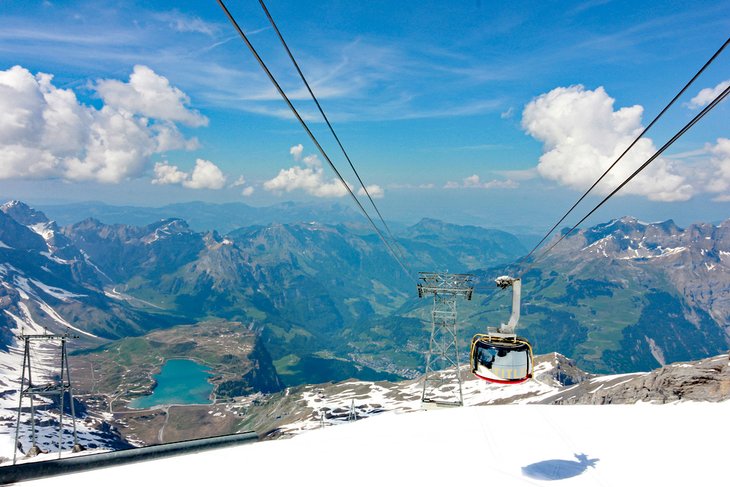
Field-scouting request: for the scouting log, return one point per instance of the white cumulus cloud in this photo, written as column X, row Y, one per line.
column 583, row 135
column 309, row 178
column 168, row 174
column 705, row 96
column 246, row 190
column 719, row 180
column 150, row 95
column 374, row 190
column 474, row 181
column 45, row 132
column 296, row 151
column 205, row 175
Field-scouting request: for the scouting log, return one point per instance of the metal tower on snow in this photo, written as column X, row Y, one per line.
column 443, row 348
column 31, row 390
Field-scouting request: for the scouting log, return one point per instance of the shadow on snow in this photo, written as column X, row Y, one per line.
column 559, row 469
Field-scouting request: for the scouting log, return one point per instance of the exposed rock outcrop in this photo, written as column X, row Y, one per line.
column 704, row 380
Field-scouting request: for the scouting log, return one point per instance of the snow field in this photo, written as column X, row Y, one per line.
column 512, row 445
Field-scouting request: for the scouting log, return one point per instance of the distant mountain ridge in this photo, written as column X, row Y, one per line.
column 201, row 216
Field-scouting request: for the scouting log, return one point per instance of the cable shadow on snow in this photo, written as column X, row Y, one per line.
column 559, row 469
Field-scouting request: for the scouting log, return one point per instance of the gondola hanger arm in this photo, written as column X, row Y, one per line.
column 504, row 282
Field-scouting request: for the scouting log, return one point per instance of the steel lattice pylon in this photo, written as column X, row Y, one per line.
column 30, row 390
column 443, row 347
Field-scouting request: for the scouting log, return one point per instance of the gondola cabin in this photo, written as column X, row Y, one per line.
column 499, row 355
column 501, row 358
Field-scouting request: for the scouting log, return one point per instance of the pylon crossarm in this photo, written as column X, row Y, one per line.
column 45, row 390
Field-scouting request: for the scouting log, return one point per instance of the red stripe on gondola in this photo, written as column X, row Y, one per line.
column 497, row 381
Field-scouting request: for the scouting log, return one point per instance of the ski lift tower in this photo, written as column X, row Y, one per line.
column 443, row 348
column 32, row 390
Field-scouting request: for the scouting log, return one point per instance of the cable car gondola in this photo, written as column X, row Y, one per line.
column 500, row 356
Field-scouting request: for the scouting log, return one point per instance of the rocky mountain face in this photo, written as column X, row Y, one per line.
column 48, row 282
column 122, row 252
column 695, row 260
column 703, row 380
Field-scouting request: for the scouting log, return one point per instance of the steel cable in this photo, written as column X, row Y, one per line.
column 312, row 136
column 332, row 130
column 684, row 129
column 676, row 97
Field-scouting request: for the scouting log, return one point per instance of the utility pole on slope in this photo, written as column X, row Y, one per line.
column 443, row 348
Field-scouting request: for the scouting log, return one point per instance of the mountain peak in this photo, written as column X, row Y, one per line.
column 629, row 226
column 430, row 224
column 11, row 204
column 170, row 225
column 622, row 222
column 166, row 228
column 631, row 220
column 23, row 214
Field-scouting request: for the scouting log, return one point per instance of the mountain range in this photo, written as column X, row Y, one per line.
column 203, row 216
column 316, row 292
column 619, row 297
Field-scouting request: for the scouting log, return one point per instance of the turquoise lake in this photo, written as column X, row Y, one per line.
column 179, row 382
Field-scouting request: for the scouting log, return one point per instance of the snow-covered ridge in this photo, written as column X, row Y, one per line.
column 630, row 239
column 24, row 284
column 10, row 204
column 29, row 290
column 56, row 292
column 167, row 229
column 44, row 229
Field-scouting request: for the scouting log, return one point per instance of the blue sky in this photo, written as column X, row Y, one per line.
column 484, row 112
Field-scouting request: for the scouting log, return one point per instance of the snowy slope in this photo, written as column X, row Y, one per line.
column 45, row 357
column 507, row 445
column 305, row 408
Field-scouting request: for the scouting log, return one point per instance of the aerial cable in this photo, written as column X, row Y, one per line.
column 321, row 111
column 684, row 129
column 681, row 92
column 311, row 135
